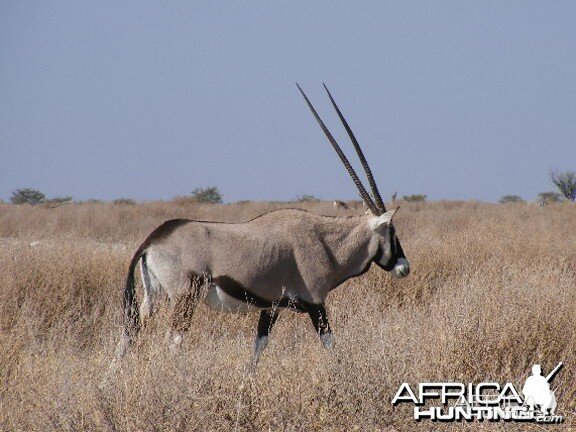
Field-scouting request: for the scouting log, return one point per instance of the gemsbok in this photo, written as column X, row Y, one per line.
column 341, row 205
column 284, row 259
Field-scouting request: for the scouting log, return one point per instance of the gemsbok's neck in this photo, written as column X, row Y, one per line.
column 351, row 244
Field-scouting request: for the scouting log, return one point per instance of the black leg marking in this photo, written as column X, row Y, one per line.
column 320, row 320
column 267, row 319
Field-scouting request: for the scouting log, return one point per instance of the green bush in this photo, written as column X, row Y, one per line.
column 549, row 197
column 566, row 183
column 510, row 199
column 307, row 198
column 59, row 200
column 127, row 201
column 414, row 198
column 27, row 196
column 209, row 195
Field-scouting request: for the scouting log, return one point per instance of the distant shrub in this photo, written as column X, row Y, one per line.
column 566, row 183
column 59, row 200
column 549, row 197
column 414, row 198
column 510, row 199
column 209, row 195
column 307, row 198
column 27, row 196
column 127, row 201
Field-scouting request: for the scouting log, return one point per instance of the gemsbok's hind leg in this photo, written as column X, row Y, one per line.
column 265, row 323
column 320, row 320
column 151, row 291
column 182, row 313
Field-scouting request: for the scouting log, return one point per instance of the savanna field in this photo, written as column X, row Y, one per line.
column 492, row 291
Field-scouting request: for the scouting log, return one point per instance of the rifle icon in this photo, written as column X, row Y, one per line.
column 554, row 372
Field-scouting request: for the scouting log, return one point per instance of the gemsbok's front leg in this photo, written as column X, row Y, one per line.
column 320, row 320
column 265, row 323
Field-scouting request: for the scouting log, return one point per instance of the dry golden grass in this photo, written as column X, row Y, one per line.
column 492, row 291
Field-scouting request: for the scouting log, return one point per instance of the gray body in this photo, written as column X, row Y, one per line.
column 289, row 254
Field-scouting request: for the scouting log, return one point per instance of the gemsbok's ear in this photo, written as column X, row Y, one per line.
column 384, row 219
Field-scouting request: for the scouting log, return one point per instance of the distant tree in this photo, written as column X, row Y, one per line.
column 126, row 201
column 209, row 195
column 307, row 198
column 27, row 196
column 566, row 183
column 510, row 199
column 548, row 197
column 414, row 198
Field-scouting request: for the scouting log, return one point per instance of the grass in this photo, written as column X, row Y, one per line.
column 492, row 291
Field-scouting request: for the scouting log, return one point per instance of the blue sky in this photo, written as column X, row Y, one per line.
column 149, row 100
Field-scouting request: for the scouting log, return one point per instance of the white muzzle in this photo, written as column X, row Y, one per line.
column 401, row 269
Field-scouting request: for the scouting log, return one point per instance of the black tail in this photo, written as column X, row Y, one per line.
column 131, row 312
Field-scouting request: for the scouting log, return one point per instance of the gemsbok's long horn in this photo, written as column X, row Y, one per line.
column 363, row 193
column 360, row 153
